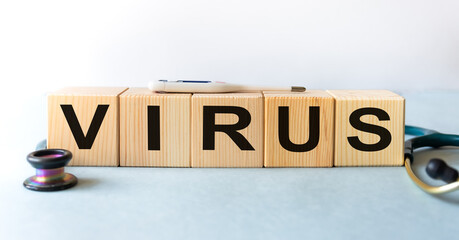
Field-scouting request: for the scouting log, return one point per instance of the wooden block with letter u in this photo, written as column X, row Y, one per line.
column 85, row 120
column 369, row 128
column 299, row 129
column 227, row 130
column 154, row 129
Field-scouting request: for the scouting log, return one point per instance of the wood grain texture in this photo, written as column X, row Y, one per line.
column 175, row 120
column 347, row 101
column 227, row 153
column 299, row 132
column 85, row 100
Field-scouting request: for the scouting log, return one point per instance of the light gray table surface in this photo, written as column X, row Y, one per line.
column 288, row 203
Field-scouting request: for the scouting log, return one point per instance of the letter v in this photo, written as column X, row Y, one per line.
column 84, row 142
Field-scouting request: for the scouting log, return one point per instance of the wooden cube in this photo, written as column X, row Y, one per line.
column 369, row 128
column 227, row 130
column 299, row 129
column 154, row 129
column 85, row 120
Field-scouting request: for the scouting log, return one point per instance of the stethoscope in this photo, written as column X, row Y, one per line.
column 436, row 168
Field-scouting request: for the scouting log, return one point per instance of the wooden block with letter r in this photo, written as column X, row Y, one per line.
column 227, row 130
column 369, row 128
column 299, row 129
column 85, row 120
column 154, row 129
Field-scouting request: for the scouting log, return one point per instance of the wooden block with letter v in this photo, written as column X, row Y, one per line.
column 85, row 120
column 227, row 130
column 154, row 129
column 299, row 129
column 369, row 128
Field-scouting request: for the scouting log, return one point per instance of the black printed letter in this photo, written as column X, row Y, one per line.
column 354, row 120
column 209, row 127
column 153, row 128
column 84, row 142
column 314, row 133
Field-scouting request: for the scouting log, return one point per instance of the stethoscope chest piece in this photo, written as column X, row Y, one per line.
column 50, row 174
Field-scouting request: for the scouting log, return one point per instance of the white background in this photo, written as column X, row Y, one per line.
column 327, row 44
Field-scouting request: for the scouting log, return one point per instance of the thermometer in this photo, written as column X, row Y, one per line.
column 197, row 86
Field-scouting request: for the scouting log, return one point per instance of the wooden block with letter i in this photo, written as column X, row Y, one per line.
column 154, row 129
column 369, row 128
column 299, row 129
column 85, row 120
column 227, row 130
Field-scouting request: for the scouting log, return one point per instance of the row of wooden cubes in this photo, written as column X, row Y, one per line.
column 137, row 127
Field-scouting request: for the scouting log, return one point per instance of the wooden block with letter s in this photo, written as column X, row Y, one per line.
column 369, row 128
column 299, row 129
column 154, row 129
column 85, row 120
column 227, row 130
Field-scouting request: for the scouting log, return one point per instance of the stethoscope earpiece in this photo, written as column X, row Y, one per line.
column 438, row 169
